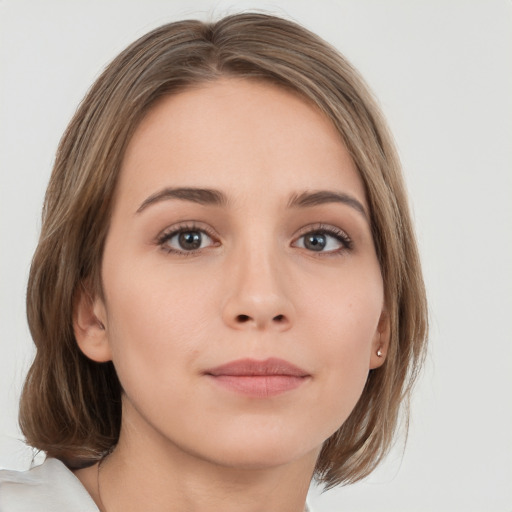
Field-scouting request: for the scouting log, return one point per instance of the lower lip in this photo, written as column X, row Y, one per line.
column 259, row 386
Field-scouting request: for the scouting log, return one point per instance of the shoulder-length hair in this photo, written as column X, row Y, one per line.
column 71, row 406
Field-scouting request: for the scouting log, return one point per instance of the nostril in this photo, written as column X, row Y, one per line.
column 242, row 318
column 279, row 318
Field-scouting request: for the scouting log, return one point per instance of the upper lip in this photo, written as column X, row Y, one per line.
column 253, row 367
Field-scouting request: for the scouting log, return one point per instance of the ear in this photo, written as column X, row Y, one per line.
column 90, row 326
column 380, row 344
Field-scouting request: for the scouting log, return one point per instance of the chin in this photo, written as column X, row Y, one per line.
column 252, row 460
column 261, row 450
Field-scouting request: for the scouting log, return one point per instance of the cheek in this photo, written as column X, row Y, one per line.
column 154, row 327
column 343, row 320
column 346, row 309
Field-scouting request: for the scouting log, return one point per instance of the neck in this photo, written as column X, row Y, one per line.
column 146, row 472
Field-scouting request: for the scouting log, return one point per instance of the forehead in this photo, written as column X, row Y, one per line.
column 244, row 137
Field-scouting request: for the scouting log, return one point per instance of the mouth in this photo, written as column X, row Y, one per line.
column 259, row 379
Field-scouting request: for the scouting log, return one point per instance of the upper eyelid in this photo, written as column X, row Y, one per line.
column 185, row 226
column 320, row 227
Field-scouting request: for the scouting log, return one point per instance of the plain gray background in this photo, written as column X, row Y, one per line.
column 442, row 72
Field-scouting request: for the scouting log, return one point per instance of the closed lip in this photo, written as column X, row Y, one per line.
column 254, row 368
column 258, row 379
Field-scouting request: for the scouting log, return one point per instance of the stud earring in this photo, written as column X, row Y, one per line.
column 379, row 353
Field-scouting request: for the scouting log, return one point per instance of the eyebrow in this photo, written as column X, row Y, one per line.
column 320, row 197
column 204, row 196
column 211, row 197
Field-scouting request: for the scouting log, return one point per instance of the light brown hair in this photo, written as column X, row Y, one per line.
column 71, row 406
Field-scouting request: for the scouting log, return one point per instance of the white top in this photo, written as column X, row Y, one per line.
column 50, row 487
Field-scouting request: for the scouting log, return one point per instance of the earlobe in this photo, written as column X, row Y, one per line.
column 89, row 326
column 380, row 343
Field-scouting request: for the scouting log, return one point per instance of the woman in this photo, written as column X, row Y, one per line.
column 226, row 298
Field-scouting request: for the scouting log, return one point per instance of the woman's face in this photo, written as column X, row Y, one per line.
column 243, row 298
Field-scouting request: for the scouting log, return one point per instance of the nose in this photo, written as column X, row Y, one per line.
column 258, row 294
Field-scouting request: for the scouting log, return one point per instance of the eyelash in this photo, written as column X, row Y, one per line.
column 163, row 239
column 337, row 233
column 320, row 229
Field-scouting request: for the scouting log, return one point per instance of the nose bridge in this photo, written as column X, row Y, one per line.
column 257, row 295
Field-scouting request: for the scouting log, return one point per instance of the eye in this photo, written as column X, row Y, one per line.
column 328, row 240
column 185, row 240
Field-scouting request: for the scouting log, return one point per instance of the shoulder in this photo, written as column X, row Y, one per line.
column 50, row 487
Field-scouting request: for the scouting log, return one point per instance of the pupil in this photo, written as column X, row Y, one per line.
column 315, row 242
column 190, row 240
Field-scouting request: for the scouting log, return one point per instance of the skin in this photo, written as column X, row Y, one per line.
column 253, row 290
